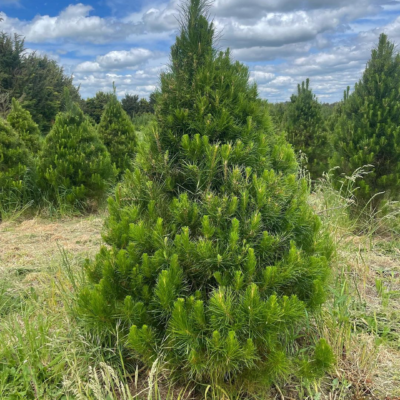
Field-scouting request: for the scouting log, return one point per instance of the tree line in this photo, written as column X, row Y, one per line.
column 38, row 83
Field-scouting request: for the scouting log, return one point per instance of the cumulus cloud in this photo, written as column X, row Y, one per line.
column 118, row 60
column 283, row 41
column 252, row 8
column 73, row 23
column 141, row 82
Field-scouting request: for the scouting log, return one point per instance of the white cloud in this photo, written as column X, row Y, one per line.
column 284, row 41
column 118, row 60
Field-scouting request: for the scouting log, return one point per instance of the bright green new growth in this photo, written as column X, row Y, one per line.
column 21, row 120
column 305, row 129
column 74, row 163
column 367, row 129
column 215, row 260
column 15, row 163
column 118, row 134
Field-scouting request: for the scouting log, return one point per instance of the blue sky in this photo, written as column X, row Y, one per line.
column 283, row 41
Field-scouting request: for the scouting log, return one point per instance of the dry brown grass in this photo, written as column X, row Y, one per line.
column 34, row 243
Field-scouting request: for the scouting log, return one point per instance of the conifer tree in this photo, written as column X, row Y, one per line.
column 74, row 164
column 118, row 134
column 367, row 126
column 21, row 120
column 215, row 258
column 15, row 165
column 305, row 129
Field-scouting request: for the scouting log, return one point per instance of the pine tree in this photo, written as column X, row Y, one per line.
column 21, row 120
column 15, row 166
column 130, row 104
column 215, row 259
column 367, row 126
column 305, row 129
column 94, row 106
column 74, row 164
column 118, row 134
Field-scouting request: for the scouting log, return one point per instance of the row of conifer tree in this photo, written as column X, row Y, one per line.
column 75, row 163
column 363, row 130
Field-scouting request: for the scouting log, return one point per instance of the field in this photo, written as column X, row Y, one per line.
column 47, row 354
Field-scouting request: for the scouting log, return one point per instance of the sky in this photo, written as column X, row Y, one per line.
column 282, row 41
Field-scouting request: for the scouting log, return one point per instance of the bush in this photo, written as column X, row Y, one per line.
column 16, row 166
column 74, row 166
column 118, row 134
column 215, row 260
column 367, row 126
column 24, row 125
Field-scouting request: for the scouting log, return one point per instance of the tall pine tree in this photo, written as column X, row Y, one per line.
column 367, row 127
column 74, row 164
column 305, row 129
column 21, row 120
column 118, row 134
column 215, row 259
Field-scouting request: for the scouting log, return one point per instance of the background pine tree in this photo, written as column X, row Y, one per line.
column 15, row 167
column 21, row 120
column 74, row 162
column 94, row 106
column 367, row 126
column 303, row 122
column 118, row 134
column 37, row 81
column 215, row 259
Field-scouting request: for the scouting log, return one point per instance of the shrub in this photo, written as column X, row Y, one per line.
column 74, row 166
column 118, row 134
column 15, row 166
column 367, row 126
column 215, row 259
column 24, row 125
column 305, row 129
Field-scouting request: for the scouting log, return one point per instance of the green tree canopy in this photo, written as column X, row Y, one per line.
column 118, row 134
column 303, row 122
column 21, row 120
column 215, row 258
column 94, row 106
column 36, row 81
column 74, row 164
column 15, row 165
column 367, row 125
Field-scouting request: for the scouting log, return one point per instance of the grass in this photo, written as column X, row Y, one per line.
column 46, row 354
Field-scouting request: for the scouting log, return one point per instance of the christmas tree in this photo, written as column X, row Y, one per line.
column 367, row 126
column 215, row 259
column 21, row 120
column 74, row 164
column 15, row 166
column 118, row 134
column 305, row 129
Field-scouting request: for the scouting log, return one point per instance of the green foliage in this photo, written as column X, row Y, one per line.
column 23, row 124
column 118, row 134
column 367, row 126
column 135, row 107
column 303, row 122
column 277, row 112
column 15, row 166
column 94, row 106
column 37, row 81
column 74, row 164
column 215, row 259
